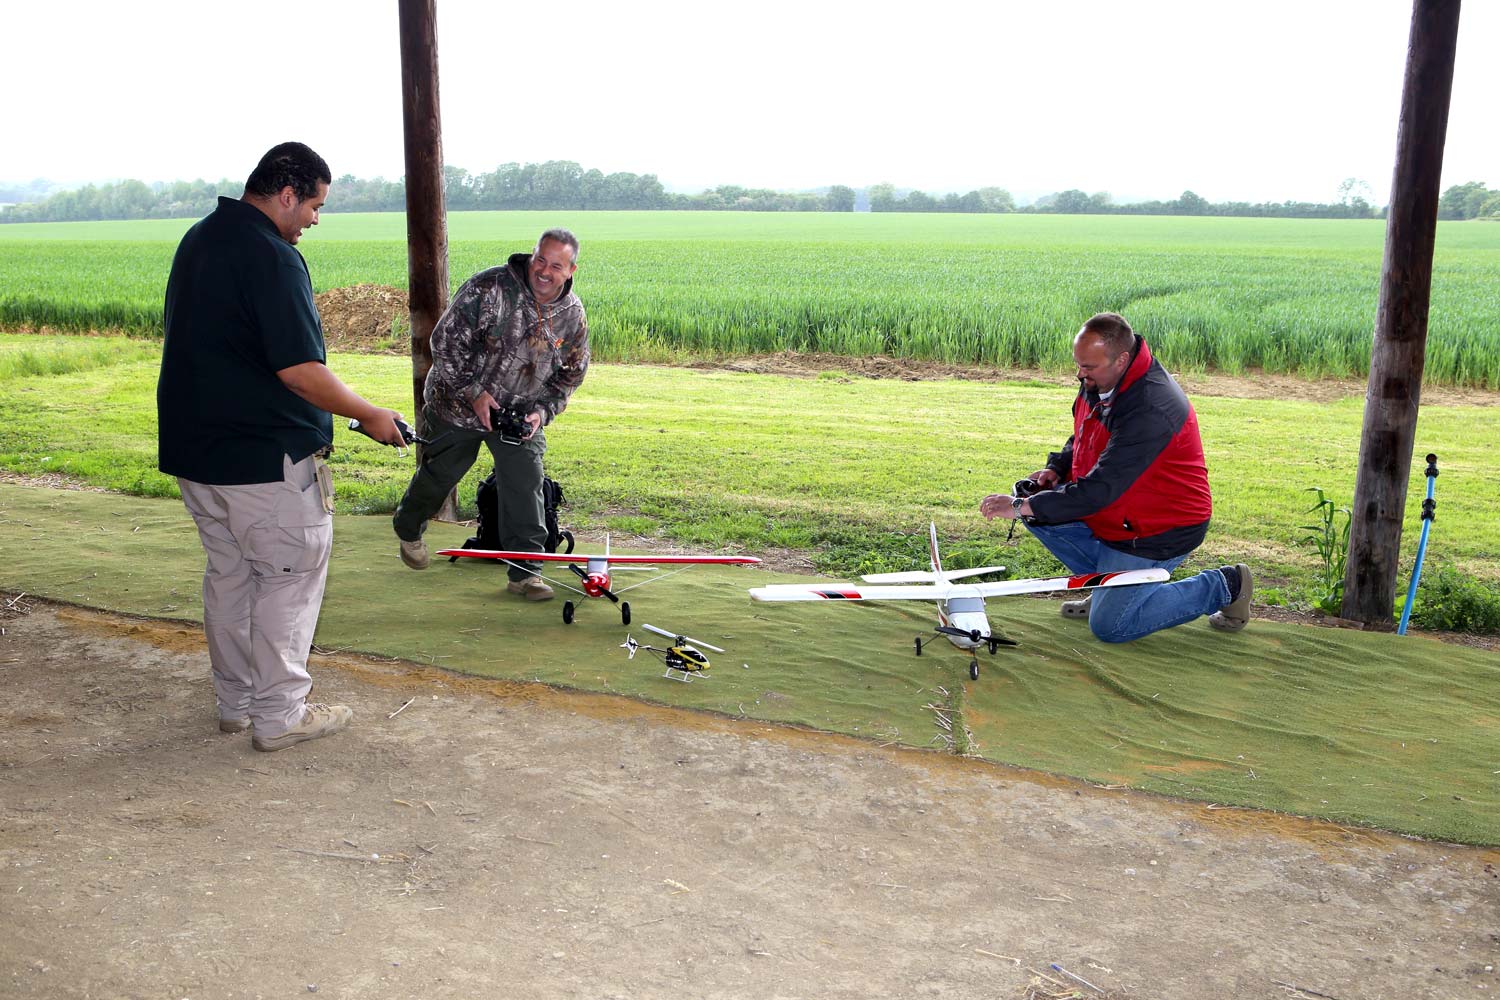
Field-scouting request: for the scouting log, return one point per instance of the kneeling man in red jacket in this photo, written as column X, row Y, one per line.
column 1129, row 491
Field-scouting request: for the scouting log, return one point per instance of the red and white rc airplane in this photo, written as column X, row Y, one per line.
column 595, row 572
column 961, row 614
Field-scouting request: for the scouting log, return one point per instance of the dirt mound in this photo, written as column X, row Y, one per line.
column 365, row 319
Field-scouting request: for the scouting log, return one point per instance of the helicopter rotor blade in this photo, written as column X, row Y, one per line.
column 681, row 638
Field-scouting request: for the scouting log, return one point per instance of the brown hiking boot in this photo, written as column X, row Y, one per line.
column 533, row 588
column 1075, row 609
column 317, row 721
column 233, row 725
column 414, row 554
column 1236, row 614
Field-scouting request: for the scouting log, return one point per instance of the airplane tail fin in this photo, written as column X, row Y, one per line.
column 937, row 562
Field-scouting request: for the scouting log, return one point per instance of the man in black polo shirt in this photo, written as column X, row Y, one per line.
column 243, row 408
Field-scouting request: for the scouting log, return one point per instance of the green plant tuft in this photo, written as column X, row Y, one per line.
column 1451, row 601
column 1331, row 540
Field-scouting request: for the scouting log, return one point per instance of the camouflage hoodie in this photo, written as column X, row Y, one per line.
column 495, row 337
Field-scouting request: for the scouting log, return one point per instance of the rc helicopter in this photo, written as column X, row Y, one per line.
column 961, row 615
column 682, row 657
column 595, row 571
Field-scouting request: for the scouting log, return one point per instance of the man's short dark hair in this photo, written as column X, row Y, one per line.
column 1113, row 332
column 290, row 164
column 563, row 236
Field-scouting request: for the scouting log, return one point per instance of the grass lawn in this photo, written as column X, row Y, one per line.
column 848, row 469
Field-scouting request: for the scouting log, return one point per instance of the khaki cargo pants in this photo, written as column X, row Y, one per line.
column 267, row 546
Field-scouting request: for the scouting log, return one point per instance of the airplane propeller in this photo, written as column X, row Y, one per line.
column 992, row 641
column 603, row 591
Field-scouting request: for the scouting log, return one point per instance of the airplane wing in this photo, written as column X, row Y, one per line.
column 510, row 556
column 849, row 592
column 688, row 560
column 941, row 591
column 579, row 557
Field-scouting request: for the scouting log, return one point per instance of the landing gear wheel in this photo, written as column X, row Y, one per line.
column 973, row 670
column 567, row 612
column 919, row 645
column 624, row 612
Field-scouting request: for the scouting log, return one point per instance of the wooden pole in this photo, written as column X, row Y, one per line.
column 1395, row 386
column 426, row 211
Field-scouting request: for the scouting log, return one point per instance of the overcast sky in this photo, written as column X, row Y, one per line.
column 1274, row 100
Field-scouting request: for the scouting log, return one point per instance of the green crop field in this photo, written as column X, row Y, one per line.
column 1227, row 294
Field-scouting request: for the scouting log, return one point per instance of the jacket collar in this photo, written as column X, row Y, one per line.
column 1140, row 363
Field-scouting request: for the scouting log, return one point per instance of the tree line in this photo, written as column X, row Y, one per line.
column 565, row 185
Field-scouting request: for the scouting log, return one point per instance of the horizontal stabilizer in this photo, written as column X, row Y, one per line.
column 928, row 576
column 1083, row 581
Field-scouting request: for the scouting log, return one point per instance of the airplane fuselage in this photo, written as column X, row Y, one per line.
column 596, row 580
column 966, row 614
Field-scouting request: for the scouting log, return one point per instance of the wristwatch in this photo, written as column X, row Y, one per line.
column 1016, row 502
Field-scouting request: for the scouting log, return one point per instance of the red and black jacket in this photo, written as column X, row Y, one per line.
column 1133, row 471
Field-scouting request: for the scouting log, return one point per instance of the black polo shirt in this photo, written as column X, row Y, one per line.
column 239, row 309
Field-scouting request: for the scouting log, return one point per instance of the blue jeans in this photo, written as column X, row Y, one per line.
column 1120, row 614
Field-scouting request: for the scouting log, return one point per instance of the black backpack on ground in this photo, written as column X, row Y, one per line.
column 488, row 500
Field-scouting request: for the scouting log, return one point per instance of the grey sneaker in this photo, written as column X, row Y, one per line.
column 1236, row 614
column 414, row 554
column 233, row 725
column 533, row 588
column 317, row 721
column 1076, row 609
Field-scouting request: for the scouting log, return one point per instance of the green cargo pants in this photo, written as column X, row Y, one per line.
column 518, row 480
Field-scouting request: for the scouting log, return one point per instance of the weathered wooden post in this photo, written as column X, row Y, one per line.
column 426, row 210
column 1395, row 387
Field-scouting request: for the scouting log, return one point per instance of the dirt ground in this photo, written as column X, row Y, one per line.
column 471, row 838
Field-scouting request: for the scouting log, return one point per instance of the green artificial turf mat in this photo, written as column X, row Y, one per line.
column 1396, row 732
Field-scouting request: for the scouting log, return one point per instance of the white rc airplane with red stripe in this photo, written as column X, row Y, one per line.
column 961, row 615
column 595, row 572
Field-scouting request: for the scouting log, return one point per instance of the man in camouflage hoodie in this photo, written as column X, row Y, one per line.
column 515, row 339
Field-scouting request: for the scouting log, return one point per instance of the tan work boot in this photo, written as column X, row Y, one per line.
column 1076, row 609
column 533, row 588
column 233, row 725
column 1236, row 614
column 414, row 554
column 317, row 721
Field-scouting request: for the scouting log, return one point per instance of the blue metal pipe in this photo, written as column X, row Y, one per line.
column 1429, row 514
